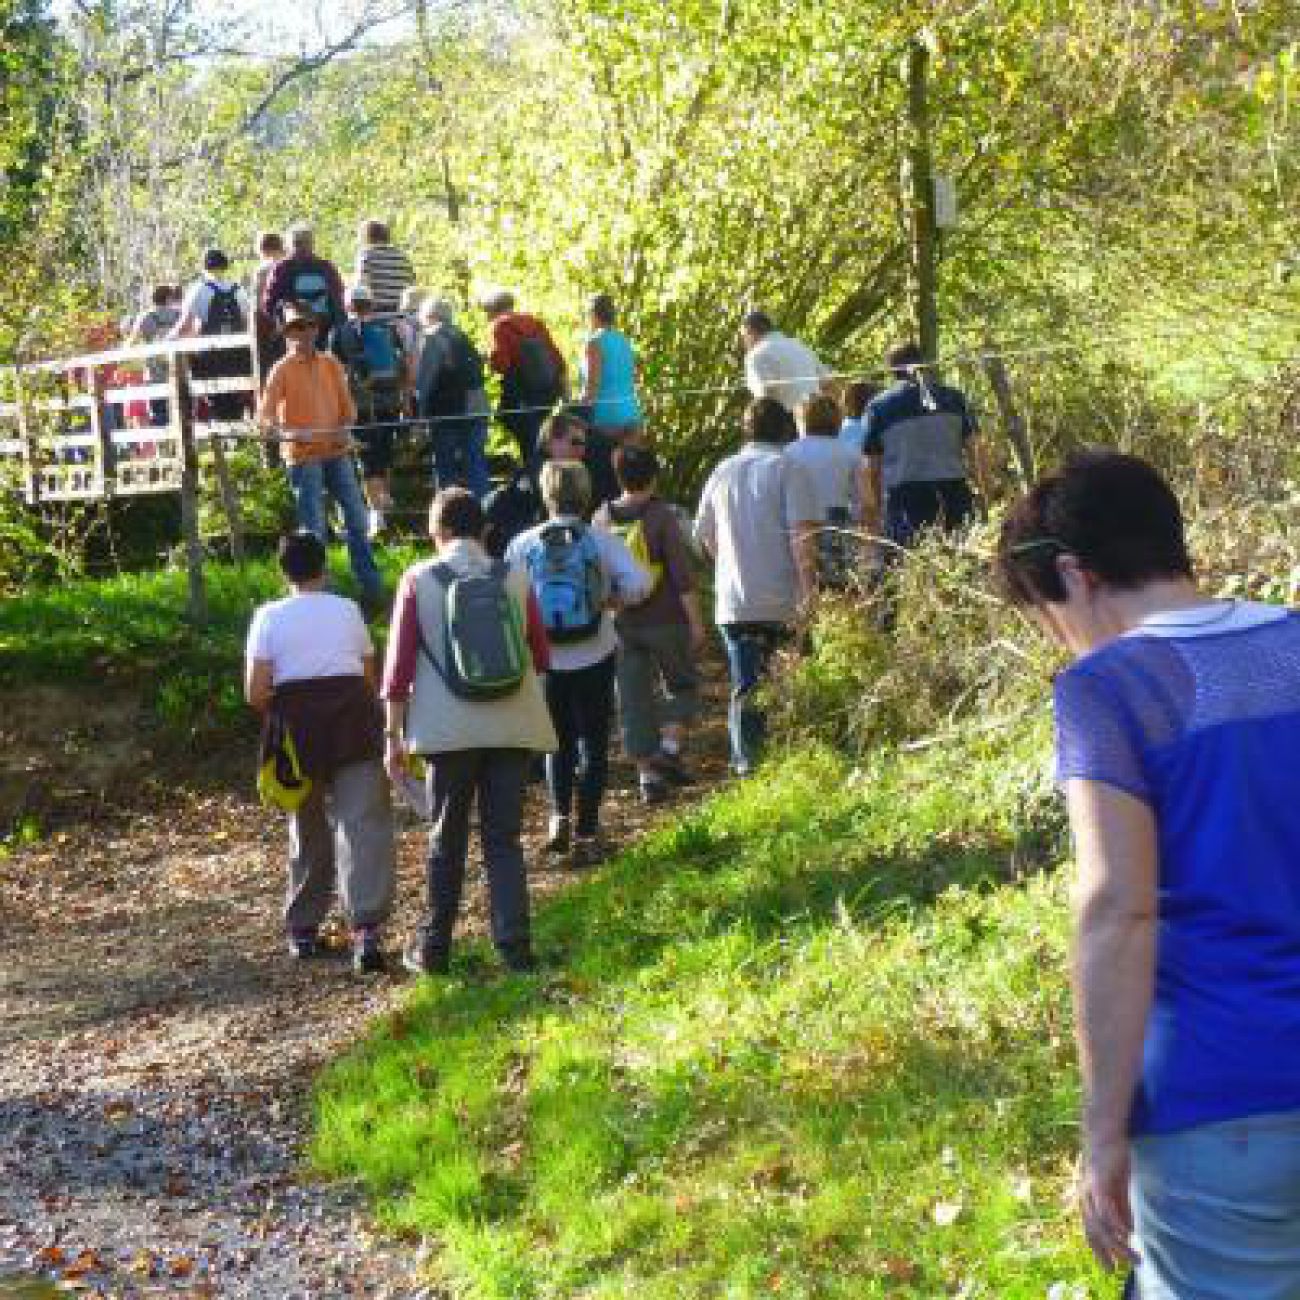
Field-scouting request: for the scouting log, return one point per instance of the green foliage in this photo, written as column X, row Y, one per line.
column 796, row 1034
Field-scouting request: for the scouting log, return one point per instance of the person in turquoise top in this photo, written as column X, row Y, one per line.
column 609, row 374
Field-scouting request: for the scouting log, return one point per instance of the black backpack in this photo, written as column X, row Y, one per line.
column 537, row 371
column 225, row 316
column 510, row 510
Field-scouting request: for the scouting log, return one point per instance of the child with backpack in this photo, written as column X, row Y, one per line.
column 370, row 349
column 661, row 638
column 462, row 689
column 577, row 574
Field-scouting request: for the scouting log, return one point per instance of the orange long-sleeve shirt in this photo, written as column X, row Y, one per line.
column 307, row 398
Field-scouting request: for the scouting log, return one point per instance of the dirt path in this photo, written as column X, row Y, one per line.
column 157, row 1048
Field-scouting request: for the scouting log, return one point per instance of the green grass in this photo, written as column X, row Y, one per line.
column 811, row 1041
column 133, row 631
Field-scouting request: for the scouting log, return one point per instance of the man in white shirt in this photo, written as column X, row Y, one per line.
column 217, row 305
column 310, row 673
column 777, row 365
column 757, row 519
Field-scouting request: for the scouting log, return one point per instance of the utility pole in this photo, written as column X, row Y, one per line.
column 919, row 171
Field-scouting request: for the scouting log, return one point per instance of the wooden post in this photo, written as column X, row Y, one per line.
column 105, row 451
column 27, row 435
column 179, row 402
column 920, row 175
column 1013, row 424
column 229, row 499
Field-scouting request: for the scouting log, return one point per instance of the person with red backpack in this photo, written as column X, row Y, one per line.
column 371, row 352
column 304, row 278
column 533, row 374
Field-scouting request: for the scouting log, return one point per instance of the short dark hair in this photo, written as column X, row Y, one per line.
column 270, row 241
column 902, row 357
column 766, row 420
column 215, row 260
column 857, row 397
column 456, row 512
column 636, row 468
column 562, row 424
column 302, row 556
column 757, row 322
column 820, row 414
column 374, row 231
column 161, row 294
column 602, row 308
column 1114, row 512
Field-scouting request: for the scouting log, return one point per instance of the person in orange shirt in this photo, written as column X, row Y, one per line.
column 306, row 400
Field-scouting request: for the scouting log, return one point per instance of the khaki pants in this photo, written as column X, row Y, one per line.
column 344, row 830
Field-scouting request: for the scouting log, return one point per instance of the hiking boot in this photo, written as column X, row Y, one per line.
column 367, row 959
column 304, row 945
column 519, row 961
column 558, row 837
column 654, row 790
column 421, row 958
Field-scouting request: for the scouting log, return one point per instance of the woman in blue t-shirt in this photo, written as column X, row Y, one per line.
column 1178, row 745
column 608, row 370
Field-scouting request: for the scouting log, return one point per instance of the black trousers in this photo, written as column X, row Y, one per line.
column 945, row 504
column 582, row 708
column 496, row 778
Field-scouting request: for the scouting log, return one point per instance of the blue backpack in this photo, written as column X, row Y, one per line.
column 564, row 567
column 311, row 287
column 379, row 355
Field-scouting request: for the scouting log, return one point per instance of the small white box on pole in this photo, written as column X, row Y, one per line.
column 945, row 202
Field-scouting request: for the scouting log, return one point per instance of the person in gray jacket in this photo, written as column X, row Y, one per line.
column 476, row 748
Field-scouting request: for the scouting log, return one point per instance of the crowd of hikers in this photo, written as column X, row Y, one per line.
column 569, row 597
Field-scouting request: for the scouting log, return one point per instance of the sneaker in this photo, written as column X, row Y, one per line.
column 653, row 790
column 367, row 959
column 671, row 768
column 303, row 945
column 557, row 835
column 588, row 850
column 421, row 958
column 376, row 524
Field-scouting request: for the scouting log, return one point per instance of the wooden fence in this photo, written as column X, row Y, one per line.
column 75, row 430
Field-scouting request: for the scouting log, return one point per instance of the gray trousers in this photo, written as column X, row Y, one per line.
column 496, row 778
column 343, row 831
column 651, row 658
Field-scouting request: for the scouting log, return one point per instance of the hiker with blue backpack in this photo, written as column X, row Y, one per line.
column 463, row 691
column 304, row 278
column 371, row 352
column 578, row 575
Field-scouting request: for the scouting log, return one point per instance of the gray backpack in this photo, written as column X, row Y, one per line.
column 484, row 651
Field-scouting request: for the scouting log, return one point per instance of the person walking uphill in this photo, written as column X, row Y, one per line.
column 609, row 394
column 311, row 281
column 757, row 519
column 922, row 447
column 311, row 675
column 577, row 572
column 662, row 637
column 532, row 370
column 306, row 399
column 462, row 689
column 1178, row 747
column 777, row 365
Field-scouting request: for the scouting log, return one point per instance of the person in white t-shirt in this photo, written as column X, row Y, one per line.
column 777, row 365
column 217, row 305
column 310, row 672
column 838, row 475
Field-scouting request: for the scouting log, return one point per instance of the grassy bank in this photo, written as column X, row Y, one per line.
column 811, row 1041
column 132, row 631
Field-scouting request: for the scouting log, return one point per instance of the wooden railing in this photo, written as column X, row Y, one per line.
column 66, row 433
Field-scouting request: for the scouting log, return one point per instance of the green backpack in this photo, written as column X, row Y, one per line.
column 484, row 651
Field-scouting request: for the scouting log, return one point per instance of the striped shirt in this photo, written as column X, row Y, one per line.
column 387, row 271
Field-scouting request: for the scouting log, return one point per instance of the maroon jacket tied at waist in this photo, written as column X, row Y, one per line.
column 334, row 721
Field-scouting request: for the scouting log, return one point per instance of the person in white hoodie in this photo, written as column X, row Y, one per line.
column 477, row 737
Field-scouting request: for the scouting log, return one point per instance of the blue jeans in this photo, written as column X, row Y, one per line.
column 460, row 454
column 750, row 647
column 338, row 477
column 1217, row 1210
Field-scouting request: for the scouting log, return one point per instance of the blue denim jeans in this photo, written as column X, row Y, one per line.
column 460, row 455
column 750, row 647
column 1217, row 1211
column 338, row 477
